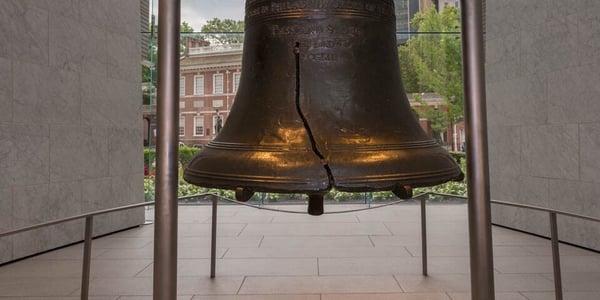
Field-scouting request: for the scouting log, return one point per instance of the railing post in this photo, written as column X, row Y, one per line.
column 558, row 292
column 167, row 146
column 87, row 257
column 478, row 177
column 424, row 235
column 213, row 238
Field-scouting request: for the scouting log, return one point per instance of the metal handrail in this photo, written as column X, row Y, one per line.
column 553, row 213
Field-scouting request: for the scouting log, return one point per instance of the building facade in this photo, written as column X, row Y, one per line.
column 210, row 76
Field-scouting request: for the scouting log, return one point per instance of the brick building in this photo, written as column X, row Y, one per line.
column 209, row 79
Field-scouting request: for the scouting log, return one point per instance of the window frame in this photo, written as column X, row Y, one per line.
column 181, row 127
column 196, row 118
column 215, row 83
column 181, row 85
column 196, row 77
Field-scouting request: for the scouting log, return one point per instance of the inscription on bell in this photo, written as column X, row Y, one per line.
column 259, row 9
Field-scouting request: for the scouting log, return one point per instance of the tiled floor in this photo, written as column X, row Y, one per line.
column 266, row 255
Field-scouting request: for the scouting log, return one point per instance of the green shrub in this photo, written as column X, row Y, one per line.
column 186, row 154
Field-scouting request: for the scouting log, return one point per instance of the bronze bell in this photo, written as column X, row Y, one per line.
column 321, row 105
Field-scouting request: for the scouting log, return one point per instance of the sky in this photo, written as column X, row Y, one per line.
column 197, row 12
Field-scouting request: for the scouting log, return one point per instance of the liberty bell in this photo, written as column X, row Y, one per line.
column 321, row 105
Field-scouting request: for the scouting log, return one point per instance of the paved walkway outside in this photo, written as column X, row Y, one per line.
column 265, row 255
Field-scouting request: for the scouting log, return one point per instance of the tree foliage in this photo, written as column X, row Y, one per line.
column 434, row 60
column 186, row 27
column 226, row 31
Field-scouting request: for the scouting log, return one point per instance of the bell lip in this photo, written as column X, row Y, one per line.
column 257, row 183
column 389, row 185
column 288, row 186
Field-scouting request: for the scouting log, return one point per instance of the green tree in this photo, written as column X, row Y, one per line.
column 436, row 61
column 149, row 76
column 186, row 28
column 225, row 31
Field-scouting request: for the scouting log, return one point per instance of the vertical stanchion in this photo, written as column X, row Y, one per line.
column 165, row 230
column 480, row 227
column 558, row 291
column 424, row 235
column 87, row 257
column 213, row 238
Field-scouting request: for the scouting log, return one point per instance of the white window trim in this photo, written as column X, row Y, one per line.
column 235, row 87
column 180, row 118
column 196, row 85
column 196, row 125
column 215, row 84
column 181, row 85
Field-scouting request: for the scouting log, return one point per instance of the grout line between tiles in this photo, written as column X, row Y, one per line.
column 398, row 283
column 241, row 285
column 240, row 233
column 371, row 240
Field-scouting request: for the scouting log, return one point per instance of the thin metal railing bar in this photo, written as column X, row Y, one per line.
column 532, row 207
column 558, row 291
column 87, row 257
column 549, row 210
column 213, row 241
column 424, row 236
column 76, row 217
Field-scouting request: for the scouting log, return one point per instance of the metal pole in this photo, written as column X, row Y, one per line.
column 424, row 235
column 558, row 291
column 165, row 230
column 87, row 257
column 213, row 239
column 479, row 207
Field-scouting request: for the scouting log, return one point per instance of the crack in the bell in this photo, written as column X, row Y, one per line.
column 309, row 132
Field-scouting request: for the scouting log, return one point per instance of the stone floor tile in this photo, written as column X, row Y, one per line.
column 463, row 251
column 28, row 269
column 566, row 296
column 319, row 284
column 148, row 253
column 565, row 250
column 202, row 229
column 578, row 282
column 315, row 242
column 499, row 296
column 247, row 267
column 297, row 218
column 522, row 283
column 63, row 298
column 316, row 229
column 226, row 285
column 543, row 264
column 434, row 283
column 222, row 242
column 258, row 297
column 391, row 296
column 415, row 240
column 121, row 242
column 392, row 265
column 243, row 219
column 142, row 286
column 48, row 287
column 289, row 252
column 369, row 266
column 180, row 297
column 74, row 252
